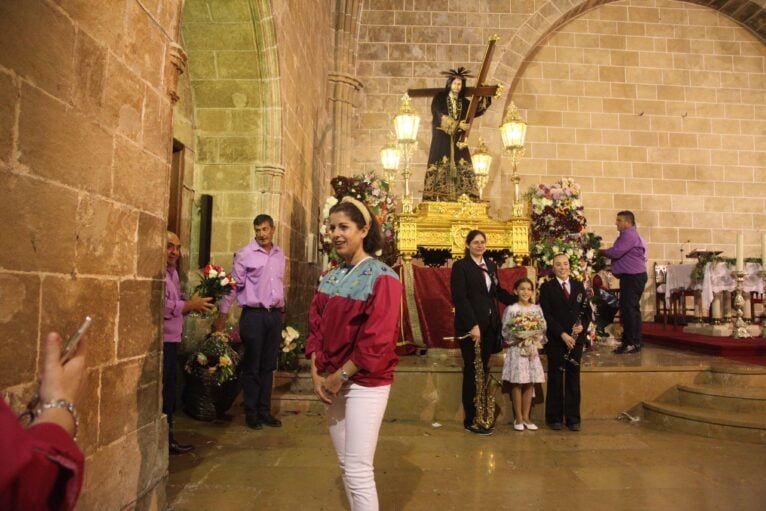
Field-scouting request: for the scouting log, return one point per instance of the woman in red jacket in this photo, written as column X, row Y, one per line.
column 42, row 467
column 354, row 321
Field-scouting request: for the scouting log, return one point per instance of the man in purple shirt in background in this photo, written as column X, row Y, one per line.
column 628, row 257
column 258, row 269
column 175, row 308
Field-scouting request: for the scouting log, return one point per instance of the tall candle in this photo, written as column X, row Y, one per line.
column 740, row 251
column 763, row 251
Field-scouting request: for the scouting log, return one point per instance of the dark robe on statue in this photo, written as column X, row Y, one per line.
column 450, row 171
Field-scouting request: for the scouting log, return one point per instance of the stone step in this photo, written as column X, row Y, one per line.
column 744, row 427
column 740, row 376
column 718, row 397
column 293, row 382
column 296, row 403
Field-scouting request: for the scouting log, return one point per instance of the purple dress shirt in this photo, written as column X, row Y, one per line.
column 174, row 306
column 628, row 254
column 259, row 275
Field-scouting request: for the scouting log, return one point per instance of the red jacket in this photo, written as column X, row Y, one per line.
column 355, row 316
column 34, row 462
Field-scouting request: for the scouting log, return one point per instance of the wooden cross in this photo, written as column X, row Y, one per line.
column 479, row 91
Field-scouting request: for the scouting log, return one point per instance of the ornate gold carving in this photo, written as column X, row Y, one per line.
column 444, row 225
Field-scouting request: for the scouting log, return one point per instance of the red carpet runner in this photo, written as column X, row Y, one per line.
column 743, row 350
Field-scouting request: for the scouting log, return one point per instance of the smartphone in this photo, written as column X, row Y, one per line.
column 69, row 349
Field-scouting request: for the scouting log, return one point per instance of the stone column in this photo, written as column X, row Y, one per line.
column 344, row 88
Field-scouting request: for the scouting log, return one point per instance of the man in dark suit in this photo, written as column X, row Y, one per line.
column 475, row 290
column 563, row 300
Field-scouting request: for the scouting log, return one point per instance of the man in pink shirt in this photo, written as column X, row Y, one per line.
column 175, row 308
column 258, row 269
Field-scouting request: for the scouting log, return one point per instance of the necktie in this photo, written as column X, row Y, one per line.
column 565, row 287
column 486, row 274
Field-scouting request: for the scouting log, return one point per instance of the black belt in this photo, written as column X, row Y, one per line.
column 267, row 309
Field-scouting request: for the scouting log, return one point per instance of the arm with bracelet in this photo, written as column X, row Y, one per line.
column 42, row 466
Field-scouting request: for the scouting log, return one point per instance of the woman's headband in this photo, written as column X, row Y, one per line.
column 361, row 207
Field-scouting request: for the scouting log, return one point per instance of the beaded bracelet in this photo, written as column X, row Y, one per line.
column 66, row 405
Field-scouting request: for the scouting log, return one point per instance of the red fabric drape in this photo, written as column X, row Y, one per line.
column 406, row 345
column 434, row 302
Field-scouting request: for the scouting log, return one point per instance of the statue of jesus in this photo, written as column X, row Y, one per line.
column 450, row 172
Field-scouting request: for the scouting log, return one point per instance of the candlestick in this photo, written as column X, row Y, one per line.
column 740, row 329
column 740, row 251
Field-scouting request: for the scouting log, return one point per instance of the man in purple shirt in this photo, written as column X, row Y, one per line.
column 175, row 308
column 628, row 257
column 258, row 269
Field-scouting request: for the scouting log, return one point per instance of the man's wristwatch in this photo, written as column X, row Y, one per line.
column 344, row 376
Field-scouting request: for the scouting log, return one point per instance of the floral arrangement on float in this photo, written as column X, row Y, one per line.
column 558, row 227
column 374, row 192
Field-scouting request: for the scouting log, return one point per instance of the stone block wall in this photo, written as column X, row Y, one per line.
column 85, row 136
column 657, row 107
column 305, row 35
column 654, row 106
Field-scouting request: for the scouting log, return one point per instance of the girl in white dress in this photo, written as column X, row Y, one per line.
column 524, row 332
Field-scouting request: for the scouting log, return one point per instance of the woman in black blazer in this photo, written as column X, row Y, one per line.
column 475, row 291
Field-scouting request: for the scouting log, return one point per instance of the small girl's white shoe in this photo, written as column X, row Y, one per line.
column 529, row 425
column 517, row 426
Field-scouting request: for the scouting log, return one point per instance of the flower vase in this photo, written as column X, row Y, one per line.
column 199, row 399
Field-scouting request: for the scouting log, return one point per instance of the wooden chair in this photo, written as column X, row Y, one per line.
column 756, row 298
column 679, row 306
column 660, row 274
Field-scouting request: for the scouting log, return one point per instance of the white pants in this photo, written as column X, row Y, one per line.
column 354, row 419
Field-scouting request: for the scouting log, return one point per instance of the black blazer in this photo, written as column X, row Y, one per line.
column 474, row 304
column 561, row 314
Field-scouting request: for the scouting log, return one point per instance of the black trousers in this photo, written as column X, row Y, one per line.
column 261, row 333
column 169, row 371
column 469, row 371
column 562, row 402
column 631, row 289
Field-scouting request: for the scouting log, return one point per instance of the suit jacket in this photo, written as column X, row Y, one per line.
column 474, row 304
column 561, row 313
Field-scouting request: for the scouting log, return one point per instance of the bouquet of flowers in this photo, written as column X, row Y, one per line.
column 527, row 330
column 214, row 283
column 376, row 194
column 292, row 347
column 215, row 361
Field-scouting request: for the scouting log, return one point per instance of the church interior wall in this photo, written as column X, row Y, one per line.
column 258, row 76
column 304, row 32
column 654, row 106
column 85, row 132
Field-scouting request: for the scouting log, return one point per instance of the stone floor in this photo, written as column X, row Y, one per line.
column 609, row 465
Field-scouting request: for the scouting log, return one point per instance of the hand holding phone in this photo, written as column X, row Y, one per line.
column 70, row 348
column 56, row 380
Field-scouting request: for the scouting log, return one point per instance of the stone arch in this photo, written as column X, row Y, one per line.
column 235, row 82
column 554, row 14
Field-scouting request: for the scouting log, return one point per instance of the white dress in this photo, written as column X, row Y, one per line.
column 518, row 368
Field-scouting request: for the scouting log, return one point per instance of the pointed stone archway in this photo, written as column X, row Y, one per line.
column 235, row 85
column 554, row 14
